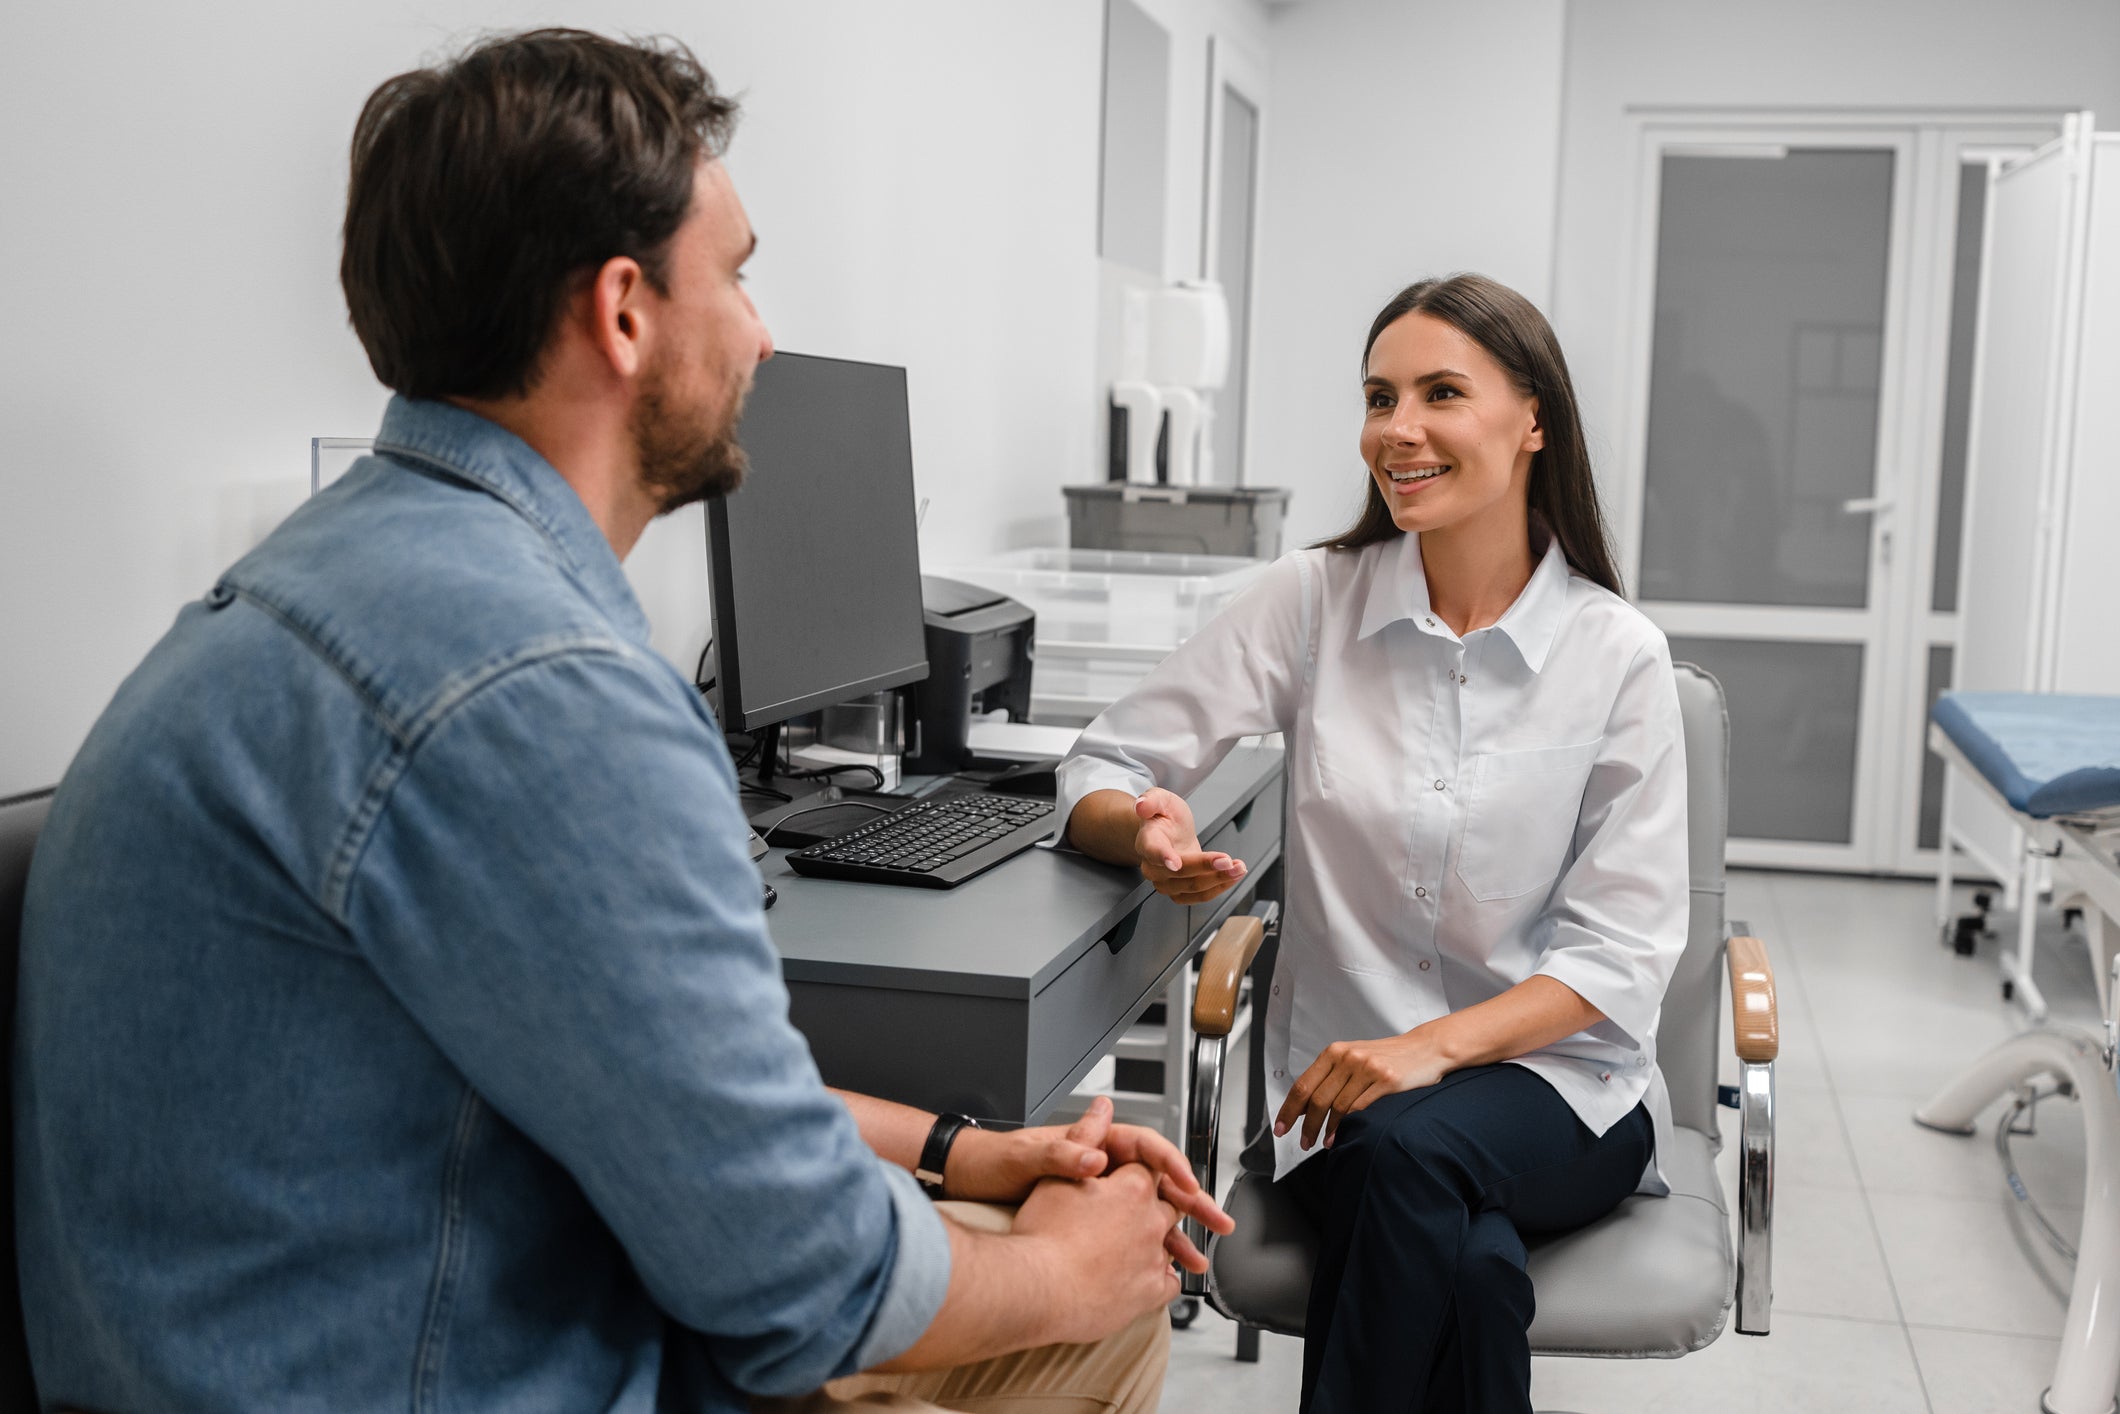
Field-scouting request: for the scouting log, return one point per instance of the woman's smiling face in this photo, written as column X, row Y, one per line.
column 1445, row 434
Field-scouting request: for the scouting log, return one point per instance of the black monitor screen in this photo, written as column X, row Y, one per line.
column 815, row 560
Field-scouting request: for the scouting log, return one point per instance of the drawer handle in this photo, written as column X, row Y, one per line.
column 1242, row 820
column 1122, row 932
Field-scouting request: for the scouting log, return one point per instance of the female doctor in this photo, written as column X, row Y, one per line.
column 1486, row 854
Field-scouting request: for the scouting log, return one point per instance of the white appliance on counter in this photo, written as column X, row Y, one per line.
column 1174, row 354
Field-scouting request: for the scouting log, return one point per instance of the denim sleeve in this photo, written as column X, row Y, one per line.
column 556, row 888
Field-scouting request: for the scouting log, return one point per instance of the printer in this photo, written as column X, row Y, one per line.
column 979, row 661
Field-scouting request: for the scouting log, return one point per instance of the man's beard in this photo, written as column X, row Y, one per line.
column 685, row 457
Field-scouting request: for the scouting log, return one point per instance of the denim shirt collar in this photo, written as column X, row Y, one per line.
column 468, row 448
column 1399, row 590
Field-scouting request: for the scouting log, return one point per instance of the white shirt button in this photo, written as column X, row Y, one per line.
column 1424, row 964
column 1420, row 892
column 1438, row 785
column 1280, row 1075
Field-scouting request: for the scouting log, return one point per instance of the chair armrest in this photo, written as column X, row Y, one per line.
column 1227, row 958
column 1754, row 1017
column 1755, row 1025
column 1222, row 967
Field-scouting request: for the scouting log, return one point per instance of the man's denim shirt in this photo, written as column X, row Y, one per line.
column 399, row 1027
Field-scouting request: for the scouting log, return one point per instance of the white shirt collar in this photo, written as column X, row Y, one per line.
column 1399, row 590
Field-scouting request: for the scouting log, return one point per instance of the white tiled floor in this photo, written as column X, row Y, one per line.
column 1904, row 1279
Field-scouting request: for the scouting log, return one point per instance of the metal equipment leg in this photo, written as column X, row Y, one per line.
column 2089, row 1362
column 2017, row 966
column 1943, row 863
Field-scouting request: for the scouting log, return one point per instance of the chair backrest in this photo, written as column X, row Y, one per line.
column 20, row 820
column 1691, row 1027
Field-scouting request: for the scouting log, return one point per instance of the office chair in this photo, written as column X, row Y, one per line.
column 1656, row 1277
column 20, row 820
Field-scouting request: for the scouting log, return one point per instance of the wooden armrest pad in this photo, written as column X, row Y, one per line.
column 1222, row 968
column 1754, row 1019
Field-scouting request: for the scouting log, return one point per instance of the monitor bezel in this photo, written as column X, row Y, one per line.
column 728, row 666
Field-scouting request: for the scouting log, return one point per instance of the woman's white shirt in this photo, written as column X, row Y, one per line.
column 1462, row 813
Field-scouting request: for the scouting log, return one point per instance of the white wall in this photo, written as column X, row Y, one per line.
column 1404, row 138
column 922, row 174
column 1948, row 55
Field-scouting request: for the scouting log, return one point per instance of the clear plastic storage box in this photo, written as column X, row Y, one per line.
column 1105, row 617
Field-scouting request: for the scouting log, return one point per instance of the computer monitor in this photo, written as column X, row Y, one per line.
column 815, row 560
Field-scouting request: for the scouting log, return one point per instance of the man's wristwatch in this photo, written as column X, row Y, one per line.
column 936, row 1152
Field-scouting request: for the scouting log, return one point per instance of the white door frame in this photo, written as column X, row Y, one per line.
column 1925, row 147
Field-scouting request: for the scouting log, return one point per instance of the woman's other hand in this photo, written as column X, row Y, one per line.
column 1349, row 1076
column 1167, row 845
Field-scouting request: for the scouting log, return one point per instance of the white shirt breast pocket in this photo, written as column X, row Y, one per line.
column 1520, row 813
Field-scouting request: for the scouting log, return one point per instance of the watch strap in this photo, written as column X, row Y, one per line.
column 935, row 1154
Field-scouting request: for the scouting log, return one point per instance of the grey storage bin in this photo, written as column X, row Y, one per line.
column 1177, row 520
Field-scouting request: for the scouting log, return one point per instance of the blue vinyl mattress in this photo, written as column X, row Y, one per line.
column 2048, row 753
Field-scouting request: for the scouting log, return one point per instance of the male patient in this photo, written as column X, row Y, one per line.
column 399, row 1027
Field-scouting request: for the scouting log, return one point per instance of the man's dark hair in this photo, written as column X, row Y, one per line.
column 484, row 189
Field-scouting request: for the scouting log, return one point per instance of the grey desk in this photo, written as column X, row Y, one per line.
column 992, row 999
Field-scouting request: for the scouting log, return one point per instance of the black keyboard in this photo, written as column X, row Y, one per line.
column 931, row 844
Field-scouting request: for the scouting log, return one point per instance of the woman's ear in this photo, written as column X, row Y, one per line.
column 1535, row 435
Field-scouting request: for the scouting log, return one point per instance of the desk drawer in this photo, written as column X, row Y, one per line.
column 1072, row 1017
column 1250, row 835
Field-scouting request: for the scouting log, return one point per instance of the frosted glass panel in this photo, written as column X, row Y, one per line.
column 1770, row 295
column 1794, row 712
column 1930, row 825
column 1958, row 386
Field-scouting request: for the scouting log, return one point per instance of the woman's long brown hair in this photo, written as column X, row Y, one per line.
column 1513, row 332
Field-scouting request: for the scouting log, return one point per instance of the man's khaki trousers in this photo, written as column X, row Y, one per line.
column 1121, row 1374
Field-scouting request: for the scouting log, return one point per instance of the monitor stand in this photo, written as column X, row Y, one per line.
column 765, row 820
column 812, row 815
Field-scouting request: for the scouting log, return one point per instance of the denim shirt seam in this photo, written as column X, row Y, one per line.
column 522, row 506
column 451, row 1251
column 455, row 693
column 333, row 655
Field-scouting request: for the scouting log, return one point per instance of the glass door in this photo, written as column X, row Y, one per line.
column 1785, row 466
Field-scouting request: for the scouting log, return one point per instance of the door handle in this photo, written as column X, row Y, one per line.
column 1867, row 505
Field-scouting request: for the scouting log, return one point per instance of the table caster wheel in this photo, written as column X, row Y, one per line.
column 1183, row 1312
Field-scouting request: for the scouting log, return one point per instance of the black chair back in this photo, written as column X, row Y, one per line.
column 20, row 819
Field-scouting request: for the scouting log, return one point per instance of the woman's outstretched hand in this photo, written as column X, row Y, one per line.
column 1349, row 1076
column 1168, row 847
